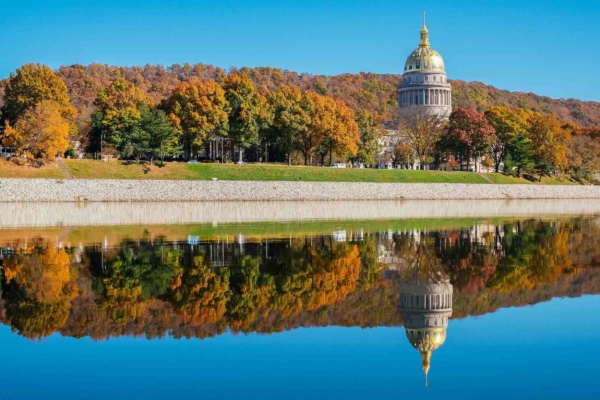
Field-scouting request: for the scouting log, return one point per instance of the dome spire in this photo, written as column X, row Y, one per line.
column 425, row 363
column 424, row 42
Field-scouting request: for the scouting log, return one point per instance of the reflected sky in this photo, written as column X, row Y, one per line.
column 547, row 350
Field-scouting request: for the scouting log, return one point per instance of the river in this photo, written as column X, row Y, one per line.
column 382, row 299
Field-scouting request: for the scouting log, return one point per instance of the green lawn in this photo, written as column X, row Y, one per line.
column 89, row 169
column 326, row 174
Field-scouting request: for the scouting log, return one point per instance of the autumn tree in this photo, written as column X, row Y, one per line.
column 549, row 140
column 583, row 154
column 507, row 124
column 310, row 138
column 249, row 112
column 290, row 119
column 468, row 135
column 117, row 115
column 198, row 109
column 422, row 131
column 404, row 154
column 369, row 133
column 40, row 132
column 31, row 85
column 40, row 290
column 339, row 130
column 200, row 293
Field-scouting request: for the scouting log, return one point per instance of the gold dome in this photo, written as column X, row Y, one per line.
column 426, row 339
column 424, row 58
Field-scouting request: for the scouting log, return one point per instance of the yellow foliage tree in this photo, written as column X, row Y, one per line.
column 549, row 140
column 43, row 288
column 200, row 293
column 338, row 125
column 198, row 108
column 41, row 132
column 31, row 85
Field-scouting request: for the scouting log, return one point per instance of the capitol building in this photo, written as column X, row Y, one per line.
column 423, row 92
column 424, row 82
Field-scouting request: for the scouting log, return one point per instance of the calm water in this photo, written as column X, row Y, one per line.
column 497, row 308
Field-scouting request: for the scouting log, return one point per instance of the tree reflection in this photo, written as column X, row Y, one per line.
column 154, row 288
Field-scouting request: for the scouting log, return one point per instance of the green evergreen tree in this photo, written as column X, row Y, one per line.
column 519, row 155
column 159, row 137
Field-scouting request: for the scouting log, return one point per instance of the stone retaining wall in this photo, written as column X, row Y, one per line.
column 51, row 190
column 20, row 215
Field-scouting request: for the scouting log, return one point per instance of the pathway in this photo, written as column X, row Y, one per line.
column 64, row 169
column 486, row 178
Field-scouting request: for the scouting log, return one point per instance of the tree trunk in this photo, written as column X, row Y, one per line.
column 330, row 157
column 290, row 158
column 468, row 162
column 241, row 153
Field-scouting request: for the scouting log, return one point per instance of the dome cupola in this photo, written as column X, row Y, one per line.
column 425, row 87
column 424, row 58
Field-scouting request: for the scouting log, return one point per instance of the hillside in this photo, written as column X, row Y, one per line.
column 374, row 92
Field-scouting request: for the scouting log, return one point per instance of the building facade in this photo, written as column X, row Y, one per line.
column 424, row 81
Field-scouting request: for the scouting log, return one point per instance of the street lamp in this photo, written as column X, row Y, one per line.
column 101, row 141
column 267, row 144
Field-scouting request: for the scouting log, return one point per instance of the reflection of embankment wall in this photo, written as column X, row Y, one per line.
column 44, row 190
column 18, row 215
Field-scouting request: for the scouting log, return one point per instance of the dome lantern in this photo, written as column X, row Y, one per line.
column 424, row 34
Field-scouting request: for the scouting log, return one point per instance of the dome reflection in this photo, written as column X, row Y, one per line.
column 426, row 306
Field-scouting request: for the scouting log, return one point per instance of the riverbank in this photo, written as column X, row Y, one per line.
column 112, row 190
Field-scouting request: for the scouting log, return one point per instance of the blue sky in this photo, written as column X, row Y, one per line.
column 548, row 47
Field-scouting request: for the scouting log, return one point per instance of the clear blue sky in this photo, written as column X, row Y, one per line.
column 549, row 47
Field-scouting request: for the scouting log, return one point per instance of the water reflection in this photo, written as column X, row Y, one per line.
column 155, row 286
column 426, row 307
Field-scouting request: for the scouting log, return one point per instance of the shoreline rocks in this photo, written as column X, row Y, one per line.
column 105, row 190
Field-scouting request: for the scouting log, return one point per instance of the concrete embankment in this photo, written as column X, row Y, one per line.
column 22, row 215
column 51, row 190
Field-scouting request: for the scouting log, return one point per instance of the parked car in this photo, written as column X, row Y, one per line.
column 338, row 165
